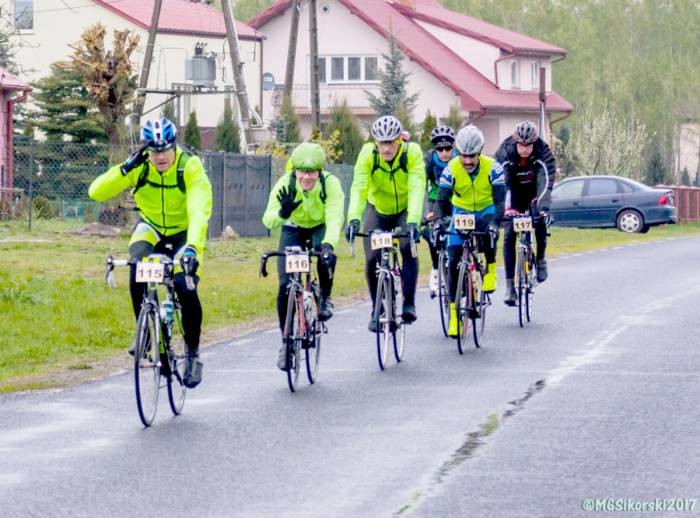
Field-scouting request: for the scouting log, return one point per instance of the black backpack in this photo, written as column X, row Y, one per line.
column 186, row 154
column 403, row 162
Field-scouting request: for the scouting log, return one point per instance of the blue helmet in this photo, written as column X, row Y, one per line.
column 159, row 134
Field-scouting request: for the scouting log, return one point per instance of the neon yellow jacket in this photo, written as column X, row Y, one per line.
column 312, row 211
column 471, row 195
column 160, row 202
column 390, row 193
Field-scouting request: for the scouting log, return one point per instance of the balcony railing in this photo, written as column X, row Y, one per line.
column 330, row 94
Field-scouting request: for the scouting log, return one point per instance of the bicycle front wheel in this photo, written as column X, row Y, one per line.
column 313, row 350
column 462, row 304
column 147, row 364
column 383, row 318
column 443, row 292
column 478, row 309
column 178, row 363
column 522, row 288
column 292, row 339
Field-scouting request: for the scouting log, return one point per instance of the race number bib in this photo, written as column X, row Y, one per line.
column 464, row 221
column 150, row 272
column 297, row 263
column 381, row 240
column 522, row 224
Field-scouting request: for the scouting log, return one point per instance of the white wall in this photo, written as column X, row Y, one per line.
column 56, row 26
column 478, row 54
column 689, row 152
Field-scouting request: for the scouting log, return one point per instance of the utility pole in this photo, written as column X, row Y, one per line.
column 145, row 71
column 315, row 98
column 292, row 49
column 543, row 101
column 241, row 95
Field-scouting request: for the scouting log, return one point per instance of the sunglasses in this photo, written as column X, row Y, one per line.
column 441, row 149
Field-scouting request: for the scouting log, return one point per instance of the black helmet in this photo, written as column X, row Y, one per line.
column 442, row 136
column 525, row 133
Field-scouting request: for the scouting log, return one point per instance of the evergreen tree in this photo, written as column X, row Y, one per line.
column 685, row 177
column 228, row 134
column 429, row 124
column 7, row 51
column 65, row 108
column 169, row 112
column 454, row 119
column 393, row 81
column 656, row 171
column 343, row 121
column 191, row 136
column 286, row 126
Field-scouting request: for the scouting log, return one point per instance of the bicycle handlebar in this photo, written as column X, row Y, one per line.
column 267, row 255
column 112, row 263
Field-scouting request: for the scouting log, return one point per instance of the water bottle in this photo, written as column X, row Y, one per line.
column 166, row 314
column 307, row 304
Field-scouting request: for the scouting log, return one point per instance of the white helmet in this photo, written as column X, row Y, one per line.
column 470, row 140
column 386, row 128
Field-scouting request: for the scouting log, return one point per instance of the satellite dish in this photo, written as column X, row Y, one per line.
column 268, row 81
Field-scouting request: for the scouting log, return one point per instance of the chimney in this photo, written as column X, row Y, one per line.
column 411, row 4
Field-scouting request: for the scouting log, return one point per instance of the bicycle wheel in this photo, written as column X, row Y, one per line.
column 383, row 312
column 443, row 292
column 522, row 287
column 400, row 333
column 178, row 363
column 312, row 349
column 481, row 302
column 462, row 309
column 530, row 288
column 292, row 339
column 147, row 365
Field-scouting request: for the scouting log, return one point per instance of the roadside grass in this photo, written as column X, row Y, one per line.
column 60, row 317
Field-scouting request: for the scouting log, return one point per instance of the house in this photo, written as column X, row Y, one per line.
column 12, row 91
column 44, row 30
column 490, row 73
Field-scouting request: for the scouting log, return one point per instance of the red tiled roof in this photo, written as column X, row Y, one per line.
column 477, row 93
column 8, row 81
column 178, row 17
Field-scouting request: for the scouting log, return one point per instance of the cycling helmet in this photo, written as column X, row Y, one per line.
column 469, row 140
column 386, row 128
column 308, row 156
column 442, row 136
column 159, row 134
column 525, row 133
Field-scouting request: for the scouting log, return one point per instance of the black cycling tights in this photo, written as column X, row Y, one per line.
column 409, row 265
column 509, row 244
column 189, row 300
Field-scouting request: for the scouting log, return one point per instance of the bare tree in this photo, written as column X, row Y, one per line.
column 109, row 77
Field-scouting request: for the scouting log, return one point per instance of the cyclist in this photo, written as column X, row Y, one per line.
column 436, row 159
column 529, row 168
column 469, row 185
column 307, row 202
column 389, row 182
column 174, row 198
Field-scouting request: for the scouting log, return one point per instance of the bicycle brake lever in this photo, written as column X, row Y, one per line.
column 263, row 266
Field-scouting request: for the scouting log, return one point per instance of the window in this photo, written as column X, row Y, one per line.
column 337, row 69
column 535, row 75
column 354, row 72
column 321, row 70
column 625, row 187
column 514, row 74
column 566, row 190
column 371, row 69
column 24, row 15
column 602, row 186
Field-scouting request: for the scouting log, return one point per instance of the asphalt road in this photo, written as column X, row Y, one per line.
column 596, row 399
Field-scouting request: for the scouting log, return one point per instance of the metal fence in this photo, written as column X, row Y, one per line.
column 51, row 180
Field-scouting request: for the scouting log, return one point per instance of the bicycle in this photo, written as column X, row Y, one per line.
column 471, row 300
column 438, row 237
column 159, row 324
column 389, row 296
column 526, row 279
column 302, row 329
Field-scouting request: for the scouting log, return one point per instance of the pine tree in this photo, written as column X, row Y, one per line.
column 169, row 112
column 7, row 51
column 656, row 172
column 454, row 119
column 393, row 85
column 429, row 124
column 191, row 136
column 65, row 108
column 228, row 134
column 343, row 121
column 287, row 127
column 685, row 177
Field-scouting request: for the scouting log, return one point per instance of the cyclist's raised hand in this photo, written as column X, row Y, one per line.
column 135, row 160
column 351, row 229
column 287, row 203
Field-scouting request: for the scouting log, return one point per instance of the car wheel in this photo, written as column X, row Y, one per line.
column 645, row 229
column 630, row 221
